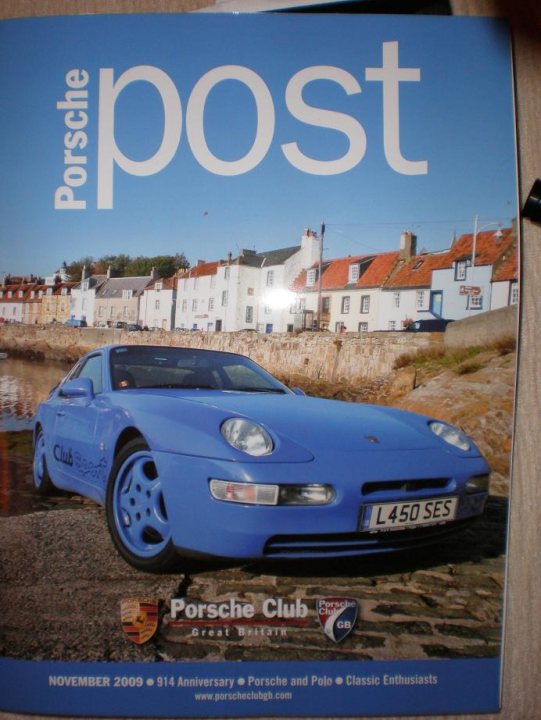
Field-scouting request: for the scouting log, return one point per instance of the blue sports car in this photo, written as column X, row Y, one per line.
column 195, row 452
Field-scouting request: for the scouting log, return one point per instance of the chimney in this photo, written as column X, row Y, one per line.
column 408, row 245
column 200, row 262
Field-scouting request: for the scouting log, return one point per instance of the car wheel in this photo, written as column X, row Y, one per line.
column 136, row 512
column 42, row 479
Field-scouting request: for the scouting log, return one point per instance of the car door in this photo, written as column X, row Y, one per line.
column 75, row 453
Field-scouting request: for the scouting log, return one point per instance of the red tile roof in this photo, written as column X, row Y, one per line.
column 416, row 272
column 508, row 269
column 336, row 275
column 379, row 270
column 488, row 247
column 201, row 270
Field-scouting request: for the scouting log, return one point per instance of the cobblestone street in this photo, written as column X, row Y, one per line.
column 62, row 587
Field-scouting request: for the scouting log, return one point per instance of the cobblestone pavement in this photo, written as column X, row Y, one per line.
column 62, row 584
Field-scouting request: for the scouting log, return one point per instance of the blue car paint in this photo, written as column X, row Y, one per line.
column 345, row 445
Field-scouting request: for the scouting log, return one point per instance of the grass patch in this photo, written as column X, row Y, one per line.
column 439, row 358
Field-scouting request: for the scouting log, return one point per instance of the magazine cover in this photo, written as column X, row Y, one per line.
column 258, row 314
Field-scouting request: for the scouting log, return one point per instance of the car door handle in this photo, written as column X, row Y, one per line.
column 60, row 413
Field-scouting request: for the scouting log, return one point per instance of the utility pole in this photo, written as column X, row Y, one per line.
column 321, row 236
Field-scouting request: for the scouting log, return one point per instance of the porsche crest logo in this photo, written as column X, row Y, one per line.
column 139, row 618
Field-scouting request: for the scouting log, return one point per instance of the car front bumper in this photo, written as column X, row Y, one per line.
column 202, row 525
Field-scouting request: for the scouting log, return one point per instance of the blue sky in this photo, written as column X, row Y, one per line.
column 458, row 118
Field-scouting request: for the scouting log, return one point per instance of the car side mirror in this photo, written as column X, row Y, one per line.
column 298, row 391
column 78, row 388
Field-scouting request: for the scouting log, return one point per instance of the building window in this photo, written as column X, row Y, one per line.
column 184, row 305
column 392, row 325
column 311, row 277
column 249, row 314
column 420, row 299
column 345, row 304
column 211, row 303
column 513, row 294
column 158, row 286
column 396, row 299
column 85, row 285
column 363, row 327
column 226, row 272
column 326, row 305
column 270, row 278
column 354, row 273
column 224, row 298
column 250, row 291
column 475, row 302
column 156, row 304
column 194, row 305
column 195, row 283
column 460, row 269
column 127, row 294
column 267, row 310
column 213, row 281
column 365, row 304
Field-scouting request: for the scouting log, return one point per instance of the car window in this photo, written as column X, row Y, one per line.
column 167, row 367
column 241, row 376
column 92, row 369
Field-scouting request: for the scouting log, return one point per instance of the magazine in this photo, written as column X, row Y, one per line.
column 311, row 518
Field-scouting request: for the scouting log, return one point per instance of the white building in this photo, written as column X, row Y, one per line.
column 83, row 296
column 157, row 304
column 249, row 292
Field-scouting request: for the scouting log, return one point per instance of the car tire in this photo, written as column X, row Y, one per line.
column 136, row 513
column 42, row 480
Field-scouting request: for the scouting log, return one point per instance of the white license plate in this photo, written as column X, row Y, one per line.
column 390, row 516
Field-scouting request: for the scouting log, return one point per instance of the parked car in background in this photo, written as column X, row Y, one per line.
column 429, row 325
column 73, row 322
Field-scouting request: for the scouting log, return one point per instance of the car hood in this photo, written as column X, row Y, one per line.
column 318, row 424
column 314, row 424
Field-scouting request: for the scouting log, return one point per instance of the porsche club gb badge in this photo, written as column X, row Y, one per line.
column 337, row 616
column 139, row 618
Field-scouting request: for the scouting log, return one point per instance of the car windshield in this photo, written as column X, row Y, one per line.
column 165, row 367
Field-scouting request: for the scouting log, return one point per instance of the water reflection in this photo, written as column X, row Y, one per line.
column 23, row 385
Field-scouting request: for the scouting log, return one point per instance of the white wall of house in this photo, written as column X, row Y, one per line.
column 504, row 293
column 82, row 303
column 399, row 305
column 452, row 282
column 356, row 310
column 274, row 300
column 156, row 307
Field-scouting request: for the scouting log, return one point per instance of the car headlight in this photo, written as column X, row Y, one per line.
column 451, row 435
column 258, row 494
column 247, row 436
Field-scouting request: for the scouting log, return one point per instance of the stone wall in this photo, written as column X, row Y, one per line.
column 483, row 329
column 325, row 357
